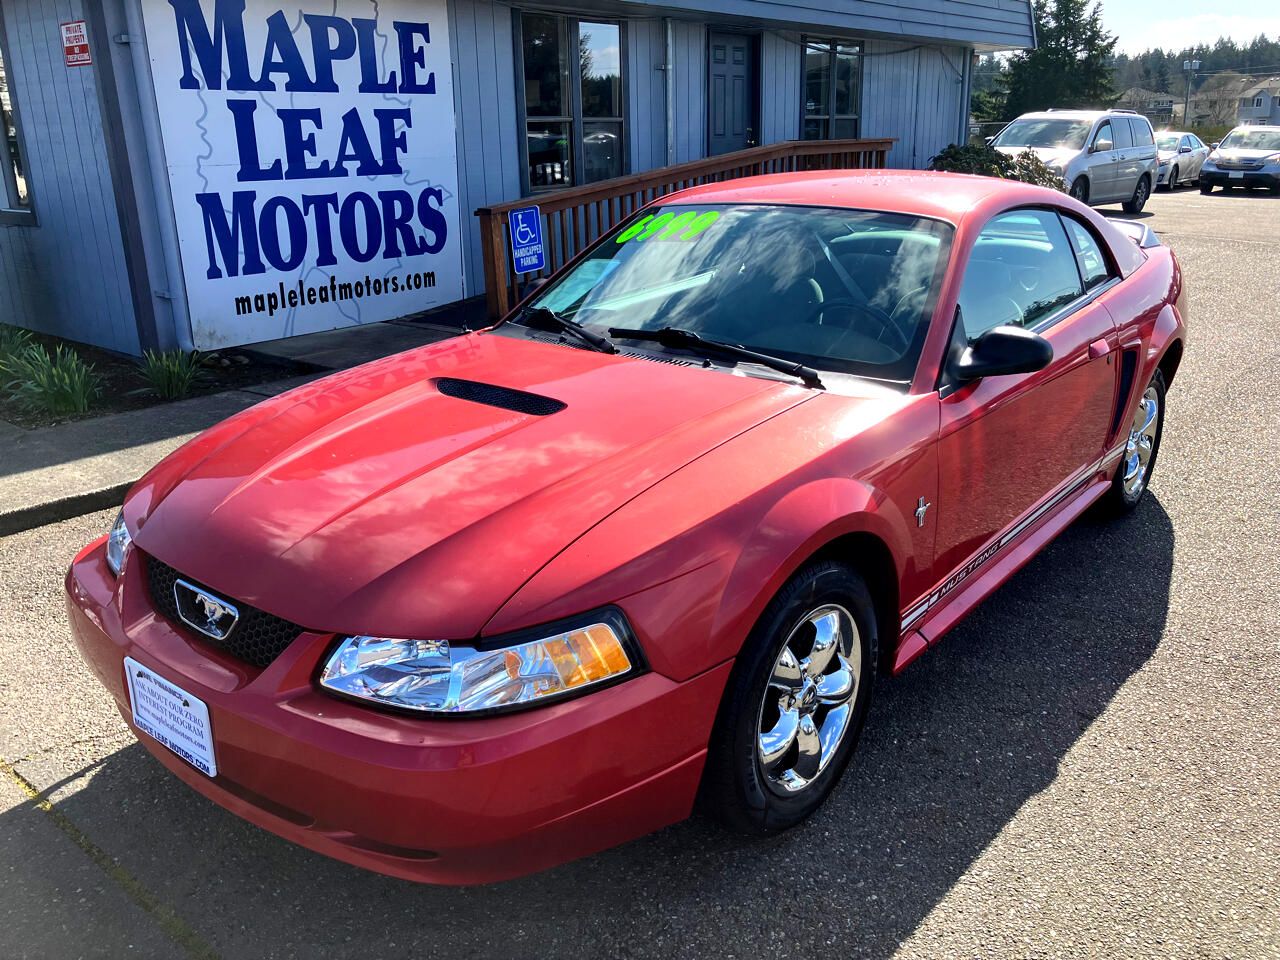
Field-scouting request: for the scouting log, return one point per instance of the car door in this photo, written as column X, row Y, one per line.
column 1102, row 164
column 1128, row 165
column 1195, row 158
column 1009, row 444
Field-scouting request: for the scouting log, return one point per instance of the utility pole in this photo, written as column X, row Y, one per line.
column 1190, row 68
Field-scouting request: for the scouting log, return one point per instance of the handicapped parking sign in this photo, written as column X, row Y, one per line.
column 526, row 239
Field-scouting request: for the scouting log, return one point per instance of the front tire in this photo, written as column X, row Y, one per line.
column 1138, row 461
column 795, row 704
column 1206, row 187
column 1080, row 189
column 1140, row 194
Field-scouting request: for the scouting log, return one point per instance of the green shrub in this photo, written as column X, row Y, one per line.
column 985, row 161
column 13, row 340
column 171, row 373
column 60, row 383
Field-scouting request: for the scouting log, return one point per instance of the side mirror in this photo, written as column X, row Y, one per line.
column 1184, row 148
column 1101, row 146
column 1001, row 351
column 1214, row 145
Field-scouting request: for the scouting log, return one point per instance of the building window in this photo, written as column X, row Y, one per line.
column 832, row 89
column 573, row 114
column 15, row 195
column 1259, row 101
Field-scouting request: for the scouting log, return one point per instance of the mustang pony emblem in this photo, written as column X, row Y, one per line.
column 204, row 612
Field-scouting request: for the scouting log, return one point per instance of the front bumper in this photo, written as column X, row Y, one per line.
column 1240, row 178
column 449, row 800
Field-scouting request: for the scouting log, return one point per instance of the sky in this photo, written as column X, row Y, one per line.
column 1174, row 24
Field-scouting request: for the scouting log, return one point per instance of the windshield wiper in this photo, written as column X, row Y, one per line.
column 545, row 319
column 679, row 337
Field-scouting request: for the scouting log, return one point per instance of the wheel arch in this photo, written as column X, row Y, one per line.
column 1170, row 360
column 838, row 519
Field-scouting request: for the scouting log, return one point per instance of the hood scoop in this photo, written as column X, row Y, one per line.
column 491, row 395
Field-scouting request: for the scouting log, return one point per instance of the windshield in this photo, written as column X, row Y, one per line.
column 1046, row 132
column 1251, row 140
column 843, row 290
column 1168, row 144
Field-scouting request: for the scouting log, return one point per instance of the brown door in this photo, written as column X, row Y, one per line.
column 731, row 92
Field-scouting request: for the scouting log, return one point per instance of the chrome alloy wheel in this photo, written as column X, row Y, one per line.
column 809, row 701
column 1142, row 438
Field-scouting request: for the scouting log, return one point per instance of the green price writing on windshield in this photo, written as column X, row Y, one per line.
column 669, row 226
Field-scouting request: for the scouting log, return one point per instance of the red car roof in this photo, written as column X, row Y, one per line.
column 946, row 196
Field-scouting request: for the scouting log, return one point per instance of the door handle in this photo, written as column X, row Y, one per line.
column 1098, row 349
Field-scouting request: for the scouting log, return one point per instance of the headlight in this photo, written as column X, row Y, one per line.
column 436, row 676
column 118, row 544
column 1164, row 163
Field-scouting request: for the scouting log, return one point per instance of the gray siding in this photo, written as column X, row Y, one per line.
column 646, row 93
column 484, row 93
column 989, row 24
column 915, row 94
column 689, row 105
column 781, row 67
column 66, row 275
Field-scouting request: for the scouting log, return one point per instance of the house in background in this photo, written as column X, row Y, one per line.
column 205, row 173
column 1155, row 106
column 1260, row 103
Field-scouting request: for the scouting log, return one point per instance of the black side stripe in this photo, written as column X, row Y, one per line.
column 988, row 553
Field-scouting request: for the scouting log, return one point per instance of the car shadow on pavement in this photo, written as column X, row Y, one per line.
column 953, row 749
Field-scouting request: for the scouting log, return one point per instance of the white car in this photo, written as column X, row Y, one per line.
column 1104, row 156
column 1181, row 154
column 1248, row 156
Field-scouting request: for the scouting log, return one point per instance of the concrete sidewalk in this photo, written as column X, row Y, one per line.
column 55, row 473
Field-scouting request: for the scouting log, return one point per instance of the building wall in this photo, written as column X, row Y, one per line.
column 916, row 94
column 66, row 275
column 781, row 71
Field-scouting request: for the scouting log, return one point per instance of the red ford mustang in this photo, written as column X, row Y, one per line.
column 493, row 604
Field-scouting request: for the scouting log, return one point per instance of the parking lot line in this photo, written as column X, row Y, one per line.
column 174, row 926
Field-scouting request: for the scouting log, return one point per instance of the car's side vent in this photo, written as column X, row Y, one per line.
column 535, row 405
column 1128, row 365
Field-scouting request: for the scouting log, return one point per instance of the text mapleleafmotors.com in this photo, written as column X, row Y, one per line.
column 305, row 294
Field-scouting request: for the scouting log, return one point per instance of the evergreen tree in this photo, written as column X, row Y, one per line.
column 1071, row 65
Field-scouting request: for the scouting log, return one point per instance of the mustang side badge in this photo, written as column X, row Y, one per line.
column 921, row 509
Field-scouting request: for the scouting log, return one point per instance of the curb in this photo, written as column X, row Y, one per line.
column 55, row 511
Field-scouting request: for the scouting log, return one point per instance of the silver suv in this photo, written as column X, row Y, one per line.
column 1105, row 156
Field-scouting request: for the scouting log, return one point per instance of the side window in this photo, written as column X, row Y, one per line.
column 1186, row 142
column 1022, row 269
column 1105, row 133
column 1093, row 265
column 1142, row 135
column 1124, row 135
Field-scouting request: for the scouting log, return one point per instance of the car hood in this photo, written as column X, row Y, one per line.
column 1059, row 156
column 1229, row 155
column 373, row 502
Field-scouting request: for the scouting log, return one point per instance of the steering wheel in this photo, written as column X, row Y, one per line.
column 888, row 324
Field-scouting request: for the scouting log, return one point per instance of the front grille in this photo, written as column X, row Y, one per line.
column 257, row 638
column 1240, row 164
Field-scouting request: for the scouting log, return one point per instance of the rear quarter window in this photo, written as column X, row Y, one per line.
column 1142, row 134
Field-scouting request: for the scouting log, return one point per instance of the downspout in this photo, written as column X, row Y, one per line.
column 175, row 287
column 670, row 82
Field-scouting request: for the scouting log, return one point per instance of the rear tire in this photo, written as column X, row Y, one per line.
column 788, row 684
column 1140, row 194
column 1138, row 461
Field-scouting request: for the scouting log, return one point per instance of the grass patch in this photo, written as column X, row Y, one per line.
column 170, row 374
column 56, row 383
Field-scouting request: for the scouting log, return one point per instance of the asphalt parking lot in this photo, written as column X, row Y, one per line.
column 1089, row 765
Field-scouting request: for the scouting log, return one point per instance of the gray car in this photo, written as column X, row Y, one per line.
column 1181, row 155
column 1248, row 156
column 1104, row 156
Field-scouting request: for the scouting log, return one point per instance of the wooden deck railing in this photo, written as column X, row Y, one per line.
column 572, row 219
